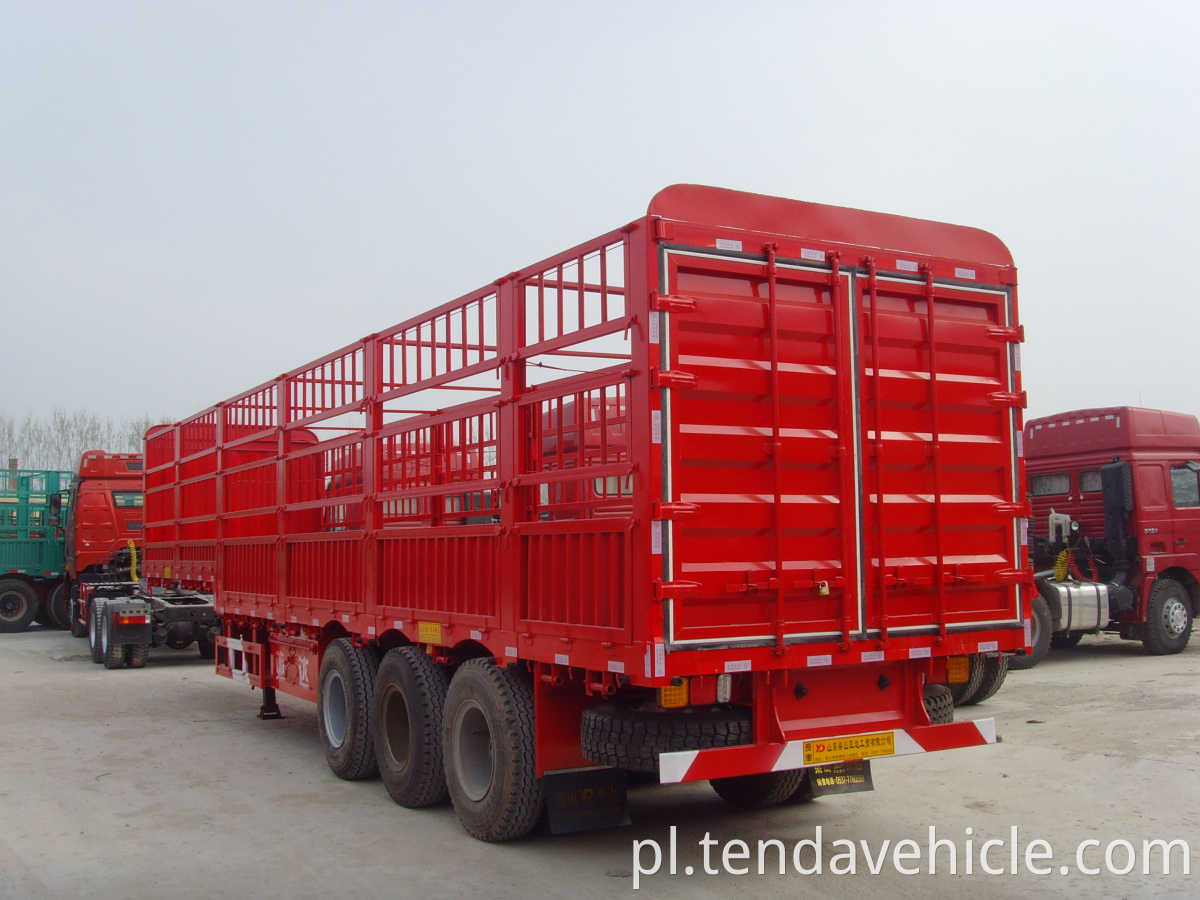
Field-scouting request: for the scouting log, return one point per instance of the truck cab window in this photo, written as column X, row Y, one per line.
column 1050, row 484
column 1089, row 482
column 1185, row 486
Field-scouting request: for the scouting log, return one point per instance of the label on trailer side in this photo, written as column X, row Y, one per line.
column 656, row 536
column 429, row 632
column 726, row 244
column 655, row 319
column 656, row 426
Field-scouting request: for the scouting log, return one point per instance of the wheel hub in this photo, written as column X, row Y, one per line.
column 335, row 709
column 474, row 762
column 11, row 605
column 1174, row 617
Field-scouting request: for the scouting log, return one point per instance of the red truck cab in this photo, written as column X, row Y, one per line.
column 103, row 521
column 1116, row 534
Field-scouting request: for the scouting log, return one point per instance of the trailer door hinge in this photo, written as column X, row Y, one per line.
column 671, row 378
column 668, row 590
column 668, row 303
column 1018, row 399
column 674, row 509
column 1013, row 335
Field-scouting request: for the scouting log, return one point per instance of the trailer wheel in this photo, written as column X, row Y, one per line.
column 1065, row 640
column 489, row 750
column 410, row 697
column 18, row 605
column 939, row 703
column 56, row 607
column 136, row 655
column 995, row 670
column 95, row 637
column 1168, row 618
column 966, row 690
column 804, row 793
column 1040, row 644
column 112, row 653
column 759, row 791
column 632, row 739
column 345, row 689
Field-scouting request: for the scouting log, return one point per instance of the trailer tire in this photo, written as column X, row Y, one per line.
column 489, row 749
column 759, row 791
column 804, row 793
column 1065, row 640
column 964, row 691
column 632, row 740
column 112, row 653
column 995, row 670
column 1040, row 645
column 1168, row 618
column 939, row 703
column 345, row 689
column 57, row 607
column 18, row 605
column 136, row 655
column 95, row 637
column 410, row 699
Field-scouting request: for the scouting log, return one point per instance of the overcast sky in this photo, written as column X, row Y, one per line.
column 198, row 196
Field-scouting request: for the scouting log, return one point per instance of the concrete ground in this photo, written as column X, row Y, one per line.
column 162, row 783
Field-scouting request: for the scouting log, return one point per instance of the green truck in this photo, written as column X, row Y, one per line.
column 31, row 548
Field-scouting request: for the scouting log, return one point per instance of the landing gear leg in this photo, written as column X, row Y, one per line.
column 269, row 708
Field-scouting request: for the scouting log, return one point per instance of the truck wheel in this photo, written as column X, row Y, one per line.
column 963, row 692
column 1168, row 618
column 630, row 739
column 1041, row 636
column 410, row 697
column 112, row 653
column 995, row 670
column 136, row 655
column 18, row 605
column 345, row 689
column 94, row 635
column 207, row 646
column 939, row 703
column 489, row 751
column 759, row 791
column 1065, row 640
column 56, row 607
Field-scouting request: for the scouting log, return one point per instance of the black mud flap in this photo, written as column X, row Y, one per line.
column 842, row 778
column 585, row 799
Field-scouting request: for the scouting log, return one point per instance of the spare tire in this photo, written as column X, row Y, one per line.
column 632, row 739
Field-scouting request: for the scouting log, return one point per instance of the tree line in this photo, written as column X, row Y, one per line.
column 57, row 440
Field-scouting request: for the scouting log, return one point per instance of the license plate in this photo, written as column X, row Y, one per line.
column 860, row 746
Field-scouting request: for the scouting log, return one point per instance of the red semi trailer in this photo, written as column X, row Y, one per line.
column 1116, row 502
column 716, row 495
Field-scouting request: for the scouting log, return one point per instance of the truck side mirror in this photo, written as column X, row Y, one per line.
column 55, row 504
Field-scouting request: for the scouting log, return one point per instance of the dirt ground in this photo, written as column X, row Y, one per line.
column 162, row 783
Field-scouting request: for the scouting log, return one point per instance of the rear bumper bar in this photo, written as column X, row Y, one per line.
column 700, row 765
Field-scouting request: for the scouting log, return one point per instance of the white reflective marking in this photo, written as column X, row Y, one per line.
column 673, row 767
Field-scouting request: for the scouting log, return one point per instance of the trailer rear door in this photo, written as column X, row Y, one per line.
column 821, row 513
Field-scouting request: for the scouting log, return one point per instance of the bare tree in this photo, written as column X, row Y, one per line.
column 56, row 441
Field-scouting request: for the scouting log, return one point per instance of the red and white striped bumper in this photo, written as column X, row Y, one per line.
column 699, row 765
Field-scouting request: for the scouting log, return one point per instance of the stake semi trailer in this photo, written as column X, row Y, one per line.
column 716, row 495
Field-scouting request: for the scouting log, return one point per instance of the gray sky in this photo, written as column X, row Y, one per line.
column 198, row 196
